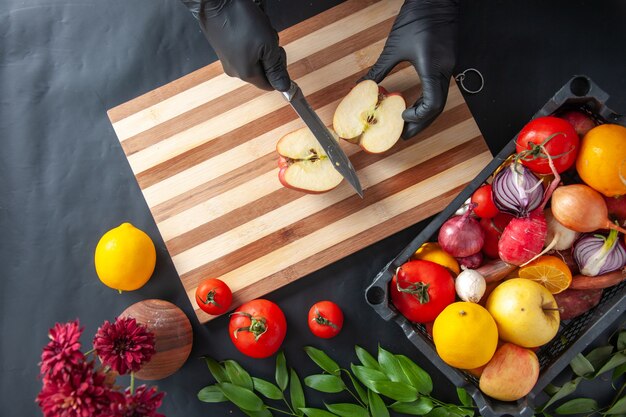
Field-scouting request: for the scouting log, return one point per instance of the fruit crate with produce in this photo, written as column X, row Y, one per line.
column 541, row 226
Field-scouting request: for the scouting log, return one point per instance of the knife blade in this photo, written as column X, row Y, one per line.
column 337, row 156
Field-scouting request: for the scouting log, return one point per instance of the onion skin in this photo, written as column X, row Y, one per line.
column 472, row 261
column 563, row 237
column 461, row 236
column 523, row 238
column 516, row 190
column 597, row 254
column 581, row 208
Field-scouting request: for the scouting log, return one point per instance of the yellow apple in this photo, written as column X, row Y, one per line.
column 510, row 374
column 525, row 312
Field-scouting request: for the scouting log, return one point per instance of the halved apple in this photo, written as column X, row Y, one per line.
column 370, row 117
column 303, row 164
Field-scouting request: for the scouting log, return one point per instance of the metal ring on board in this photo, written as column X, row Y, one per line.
column 461, row 77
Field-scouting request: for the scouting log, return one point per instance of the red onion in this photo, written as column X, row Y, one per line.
column 472, row 261
column 461, row 236
column 516, row 190
column 597, row 254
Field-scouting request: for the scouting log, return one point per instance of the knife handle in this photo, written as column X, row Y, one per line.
column 290, row 94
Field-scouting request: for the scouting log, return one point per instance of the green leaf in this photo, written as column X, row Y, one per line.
column 419, row 407
column 366, row 359
column 264, row 412
column 282, row 376
column 316, row 412
column 619, row 371
column 397, row 391
column 296, row 393
column 267, row 389
column 358, row 388
column 238, row 375
column 453, row 410
column 577, row 406
column 323, row 360
column 377, row 405
column 551, row 389
column 347, row 410
column 599, row 356
column 391, row 366
column 618, row 408
column 564, row 391
column 216, row 370
column 367, row 376
column 581, row 366
column 418, row 377
column 616, row 360
column 211, row 394
column 621, row 340
column 438, row 412
column 330, row 384
column 464, row 397
column 241, row 397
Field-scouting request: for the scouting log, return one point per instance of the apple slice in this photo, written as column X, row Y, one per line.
column 370, row 116
column 303, row 164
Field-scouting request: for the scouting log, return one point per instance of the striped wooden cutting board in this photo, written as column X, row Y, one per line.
column 203, row 151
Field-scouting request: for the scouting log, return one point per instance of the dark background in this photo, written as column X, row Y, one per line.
column 64, row 180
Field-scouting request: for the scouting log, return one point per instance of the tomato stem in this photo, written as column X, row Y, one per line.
column 210, row 299
column 418, row 290
column 257, row 326
column 323, row 321
column 538, row 151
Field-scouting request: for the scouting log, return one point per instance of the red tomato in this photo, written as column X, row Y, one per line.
column 558, row 138
column 214, row 296
column 493, row 230
column 421, row 290
column 325, row 319
column 485, row 209
column 258, row 328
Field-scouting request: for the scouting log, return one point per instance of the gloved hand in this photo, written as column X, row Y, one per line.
column 424, row 33
column 244, row 40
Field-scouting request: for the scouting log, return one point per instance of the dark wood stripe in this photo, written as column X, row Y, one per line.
column 280, row 197
column 235, row 98
column 212, row 70
column 240, row 175
column 344, row 208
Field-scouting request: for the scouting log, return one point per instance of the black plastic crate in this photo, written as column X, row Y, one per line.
column 574, row 335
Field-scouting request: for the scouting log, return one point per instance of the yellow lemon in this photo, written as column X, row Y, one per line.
column 125, row 258
column 465, row 335
column 431, row 251
column 601, row 161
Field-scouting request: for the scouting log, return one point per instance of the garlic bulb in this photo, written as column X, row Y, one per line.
column 470, row 285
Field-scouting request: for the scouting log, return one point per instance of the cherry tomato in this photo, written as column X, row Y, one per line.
column 258, row 328
column 558, row 139
column 421, row 290
column 493, row 230
column 485, row 209
column 325, row 319
column 213, row 296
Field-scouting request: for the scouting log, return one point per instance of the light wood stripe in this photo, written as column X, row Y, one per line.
column 370, row 216
column 203, row 151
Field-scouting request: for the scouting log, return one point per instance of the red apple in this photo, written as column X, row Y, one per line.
column 511, row 374
column 617, row 208
column 303, row 164
column 581, row 122
column 370, row 116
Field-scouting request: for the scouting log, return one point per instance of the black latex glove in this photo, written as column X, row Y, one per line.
column 244, row 40
column 423, row 34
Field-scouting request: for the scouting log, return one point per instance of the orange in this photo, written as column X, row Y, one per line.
column 125, row 258
column 431, row 251
column 465, row 335
column 549, row 271
column 601, row 161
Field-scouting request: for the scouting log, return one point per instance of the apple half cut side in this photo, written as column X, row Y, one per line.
column 370, row 116
column 303, row 164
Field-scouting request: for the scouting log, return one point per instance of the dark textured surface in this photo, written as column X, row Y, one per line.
column 64, row 179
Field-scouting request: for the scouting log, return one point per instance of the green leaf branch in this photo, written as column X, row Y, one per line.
column 377, row 385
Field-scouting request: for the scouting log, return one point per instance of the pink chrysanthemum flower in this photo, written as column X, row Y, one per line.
column 62, row 353
column 81, row 393
column 143, row 403
column 124, row 345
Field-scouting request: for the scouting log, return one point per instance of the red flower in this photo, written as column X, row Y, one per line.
column 143, row 403
column 124, row 345
column 62, row 353
column 81, row 393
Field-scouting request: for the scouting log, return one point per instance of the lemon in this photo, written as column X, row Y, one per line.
column 125, row 258
column 431, row 251
column 465, row 335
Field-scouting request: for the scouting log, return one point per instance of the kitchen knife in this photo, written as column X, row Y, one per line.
column 336, row 155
